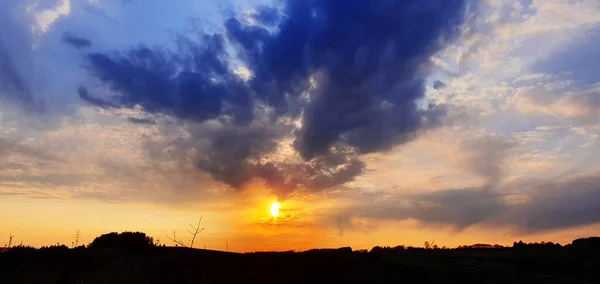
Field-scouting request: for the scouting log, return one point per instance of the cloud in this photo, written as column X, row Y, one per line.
column 485, row 156
column 459, row 208
column 152, row 79
column 141, row 120
column 46, row 16
column 15, row 55
column 560, row 204
column 581, row 105
column 75, row 161
column 11, row 147
column 474, row 151
column 533, row 65
column 437, row 84
column 84, row 95
column 75, row 41
column 544, row 206
column 339, row 79
column 365, row 83
column 519, row 19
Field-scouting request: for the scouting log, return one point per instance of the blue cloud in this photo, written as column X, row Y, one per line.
column 367, row 55
column 361, row 61
column 76, row 41
column 437, row 84
column 193, row 84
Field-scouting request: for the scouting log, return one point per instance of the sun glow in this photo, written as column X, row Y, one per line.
column 275, row 209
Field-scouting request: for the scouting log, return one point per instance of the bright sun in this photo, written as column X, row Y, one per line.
column 275, row 209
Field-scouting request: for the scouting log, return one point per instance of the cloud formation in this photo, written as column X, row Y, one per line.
column 580, row 105
column 15, row 57
column 437, row 84
column 545, row 206
column 45, row 15
column 339, row 78
column 76, row 41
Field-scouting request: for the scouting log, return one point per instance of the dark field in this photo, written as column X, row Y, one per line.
column 522, row 263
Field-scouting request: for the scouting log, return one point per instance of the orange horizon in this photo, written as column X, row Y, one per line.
column 48, row 222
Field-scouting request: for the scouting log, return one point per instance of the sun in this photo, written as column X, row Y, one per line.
column 275, row 209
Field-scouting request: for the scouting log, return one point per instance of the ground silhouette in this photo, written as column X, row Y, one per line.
column 131, row 257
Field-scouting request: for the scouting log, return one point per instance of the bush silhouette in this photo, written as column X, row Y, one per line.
column 124, row 242
column 593, row 242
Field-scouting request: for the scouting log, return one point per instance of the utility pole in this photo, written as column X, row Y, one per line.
column 11, row 236
column 77, row 236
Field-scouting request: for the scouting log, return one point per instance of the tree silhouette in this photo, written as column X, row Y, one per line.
column 126, row 241
column 194, row 233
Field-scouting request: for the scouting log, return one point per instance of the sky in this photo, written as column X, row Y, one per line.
column 370, row 122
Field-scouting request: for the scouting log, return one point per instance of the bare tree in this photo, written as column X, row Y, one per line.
column 10, row 238
column 176, row 240
column 194, row 232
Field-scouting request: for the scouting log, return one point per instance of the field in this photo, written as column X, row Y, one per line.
column 576, row 263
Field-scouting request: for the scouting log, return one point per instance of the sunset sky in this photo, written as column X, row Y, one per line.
column 370, row 122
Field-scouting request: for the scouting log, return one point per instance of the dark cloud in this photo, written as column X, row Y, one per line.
column 76, row 41
column 232, row 152
column 459, row 207
column 193, row 84
column 136, row 120
column 545, row 206
column 561, row 204
column 351, row 70
column 437, row 84
column 236, row 155
column 366, row 69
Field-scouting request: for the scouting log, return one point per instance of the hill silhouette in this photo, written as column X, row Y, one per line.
column 131, row 257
